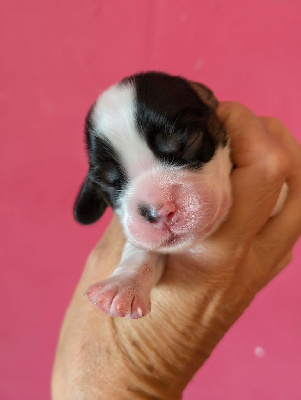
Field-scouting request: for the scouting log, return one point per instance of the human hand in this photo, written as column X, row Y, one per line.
column 200, row 296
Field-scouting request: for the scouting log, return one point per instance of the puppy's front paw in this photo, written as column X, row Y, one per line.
column 120, row 296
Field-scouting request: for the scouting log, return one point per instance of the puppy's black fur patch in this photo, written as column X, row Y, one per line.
column 175, row 122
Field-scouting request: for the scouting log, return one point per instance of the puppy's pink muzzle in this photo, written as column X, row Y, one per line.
column 176, row 206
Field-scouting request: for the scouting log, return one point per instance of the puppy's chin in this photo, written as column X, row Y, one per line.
column 177, row 244
column 172, row 244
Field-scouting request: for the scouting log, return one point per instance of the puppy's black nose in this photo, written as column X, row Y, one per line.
column 148, row 212
column 162, row 214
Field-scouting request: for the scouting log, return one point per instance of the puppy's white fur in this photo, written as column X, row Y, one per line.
column 114, row 115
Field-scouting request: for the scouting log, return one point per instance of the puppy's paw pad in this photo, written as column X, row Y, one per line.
column 120, row 297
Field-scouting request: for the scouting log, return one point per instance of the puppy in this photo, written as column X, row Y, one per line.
column 160, row 158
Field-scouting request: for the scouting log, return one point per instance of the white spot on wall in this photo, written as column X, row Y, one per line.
column 259, row 352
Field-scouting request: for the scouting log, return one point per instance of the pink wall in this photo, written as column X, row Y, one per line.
column 57, row 56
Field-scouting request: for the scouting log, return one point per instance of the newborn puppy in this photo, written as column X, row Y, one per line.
column 160, row 158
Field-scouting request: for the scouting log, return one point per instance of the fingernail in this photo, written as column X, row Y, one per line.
column 98, row 301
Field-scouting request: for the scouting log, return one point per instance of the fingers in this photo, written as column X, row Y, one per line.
column 281, row 232
column 249, row 139
column 260, row 173
column 286, row 141
column 280, row 133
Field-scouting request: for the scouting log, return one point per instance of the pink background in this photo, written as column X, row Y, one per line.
column 56, row 56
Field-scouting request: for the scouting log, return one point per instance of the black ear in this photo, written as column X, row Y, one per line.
column 204, row 94
column 90, row 203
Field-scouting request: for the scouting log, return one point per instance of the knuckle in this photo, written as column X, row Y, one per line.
column 239, row 111
column 274, row 165
column 273, row 123
column 231, row 112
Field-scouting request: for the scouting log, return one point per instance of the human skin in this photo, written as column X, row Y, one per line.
column 199, row 296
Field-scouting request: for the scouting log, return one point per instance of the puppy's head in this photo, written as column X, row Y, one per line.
column 159, row 157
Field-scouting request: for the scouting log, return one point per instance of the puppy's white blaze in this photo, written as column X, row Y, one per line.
column 114, row 118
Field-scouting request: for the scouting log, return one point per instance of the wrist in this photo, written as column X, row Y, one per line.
column 164, row 349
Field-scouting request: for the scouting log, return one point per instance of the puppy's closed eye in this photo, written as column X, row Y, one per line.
column 108, row 174
column 111, row 174
column 167, row 142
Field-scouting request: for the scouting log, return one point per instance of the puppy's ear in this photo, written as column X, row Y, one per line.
column 204, row 93
column 90, row 203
